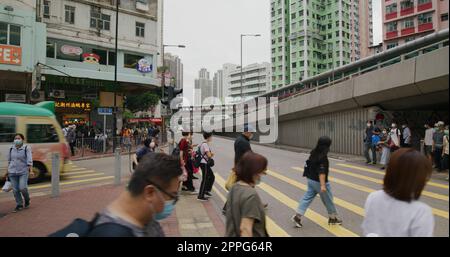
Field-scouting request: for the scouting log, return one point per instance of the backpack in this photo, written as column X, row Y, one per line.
column 198, row 157
column 176, row 151
column 83, row 228
column 26, row 155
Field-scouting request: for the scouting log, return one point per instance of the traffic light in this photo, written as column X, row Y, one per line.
column 170, row 93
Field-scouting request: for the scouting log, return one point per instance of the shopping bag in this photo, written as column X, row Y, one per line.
column 7, row 187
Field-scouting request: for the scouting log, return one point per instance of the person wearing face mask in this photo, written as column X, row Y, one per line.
column 394, row 138
column 20, row 164
column 385, row 150
column 245, row 215
column 150, row 196
column 368, row 135
column 406, row 136
column 207, row 173
column 316, row 171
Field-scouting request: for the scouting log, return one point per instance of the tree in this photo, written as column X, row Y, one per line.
column 142, row 102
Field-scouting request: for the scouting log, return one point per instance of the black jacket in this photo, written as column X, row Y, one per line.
column 241, row 146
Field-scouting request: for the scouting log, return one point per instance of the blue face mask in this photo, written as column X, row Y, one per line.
column 168, row 209
column 17, row 142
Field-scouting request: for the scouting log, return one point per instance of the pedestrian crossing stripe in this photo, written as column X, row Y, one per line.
column 315, row 217
column 437, row 212
column 272, row 228
column 71, row 182
column 347, row 205
column 74, row 169
column 383, row 173
column 379, row 181
column 85, row 175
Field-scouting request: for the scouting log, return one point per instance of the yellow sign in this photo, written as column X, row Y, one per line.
column 84, row 106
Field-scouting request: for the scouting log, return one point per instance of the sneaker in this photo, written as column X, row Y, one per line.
column 194, row 177
column 204, row 199
column 208, row 194
column 27, row 205
column 184, row 188
column 18, row 208
column 334, row 221
column 297, row 220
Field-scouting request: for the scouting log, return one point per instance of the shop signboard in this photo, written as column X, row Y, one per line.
column 144, row 66
column 105, row 111
column 10, row 55
column 73, row 106
column 71, row 50
column 16, row 98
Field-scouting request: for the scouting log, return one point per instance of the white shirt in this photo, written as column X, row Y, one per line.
column 204, row 148
column 388, row 217
column 429, row 136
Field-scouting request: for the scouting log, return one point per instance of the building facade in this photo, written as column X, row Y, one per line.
column 175, row 70
column 81, row 57
column 406, row 20
column 313, row 36
column 22, row 44
column 256, row 80
column 203, row 87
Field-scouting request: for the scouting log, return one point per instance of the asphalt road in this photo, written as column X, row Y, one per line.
column 351, row 184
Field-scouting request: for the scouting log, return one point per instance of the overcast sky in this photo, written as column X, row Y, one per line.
column 211, row 30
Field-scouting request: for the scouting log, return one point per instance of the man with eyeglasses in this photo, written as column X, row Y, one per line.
column 151, row 196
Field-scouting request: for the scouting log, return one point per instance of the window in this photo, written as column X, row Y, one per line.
column 46, row 9
column 444, row 17
column 140, row 29
column 70, row 14
column 99, row 20
column 10, row 34
column 410, row 39
column 391, row 45
column 408, row 24
column 392, row 26
column 406, row 4
column 41, row 133
column 7, row 129
column 419, row 2
column 391, row 8
column 131, row 60
column 51, row 50
column 425, row 18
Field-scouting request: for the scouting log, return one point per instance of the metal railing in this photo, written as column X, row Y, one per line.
column 98, row 145
column 387, row 58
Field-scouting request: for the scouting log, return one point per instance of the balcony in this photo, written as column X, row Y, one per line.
column 392, row 34
column 391, row 15
column 425, row 26
column 425, row 6
column 407, row 31
column 407, row 11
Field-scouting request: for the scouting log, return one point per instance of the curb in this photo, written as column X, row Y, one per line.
column 99, row 156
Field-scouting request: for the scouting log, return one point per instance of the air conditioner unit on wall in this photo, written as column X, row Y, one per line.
column 57, row 94
column 38, row 96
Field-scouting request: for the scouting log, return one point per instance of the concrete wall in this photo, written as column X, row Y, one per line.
column 346, row 129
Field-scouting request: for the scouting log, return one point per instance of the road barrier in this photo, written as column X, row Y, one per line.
column 118, row 167
column 55, row 174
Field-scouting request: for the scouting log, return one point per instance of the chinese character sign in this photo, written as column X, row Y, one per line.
column 73, row 106
column 10, row 55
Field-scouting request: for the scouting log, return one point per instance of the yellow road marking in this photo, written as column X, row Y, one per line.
column 78, row 172
column 84, row 176
column 320, row 220
column 76, row 169
column 72, row 182
column 382, row 173
column 349, row 206
column 272, row 228
column 437, row 212
column 379, row 181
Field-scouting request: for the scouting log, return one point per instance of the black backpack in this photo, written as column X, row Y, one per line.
column 83, row 228
column 198, row 157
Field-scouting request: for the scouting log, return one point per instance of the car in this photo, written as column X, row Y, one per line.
column 42, row 132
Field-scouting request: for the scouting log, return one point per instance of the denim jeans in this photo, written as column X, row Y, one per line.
column 313, row 190
column 368, row 146
column 20, row 188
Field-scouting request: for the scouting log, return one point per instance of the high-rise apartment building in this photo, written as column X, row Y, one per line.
column 406, row 20
column 313, row 36
column 175, row 70
column 203, row 87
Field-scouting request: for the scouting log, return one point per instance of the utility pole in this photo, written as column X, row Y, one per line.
column 116, row 84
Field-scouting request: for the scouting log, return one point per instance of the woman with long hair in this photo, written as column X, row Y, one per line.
column 316, row 172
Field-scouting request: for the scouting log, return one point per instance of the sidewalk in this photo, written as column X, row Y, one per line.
column 46, row 215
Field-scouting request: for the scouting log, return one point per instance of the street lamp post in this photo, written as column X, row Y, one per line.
column 163, row 84
column 242, row 75
column 116, row 84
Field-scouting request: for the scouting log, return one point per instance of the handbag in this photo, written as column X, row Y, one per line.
column 307, row 169
column 7, row 187
column 232, row 178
